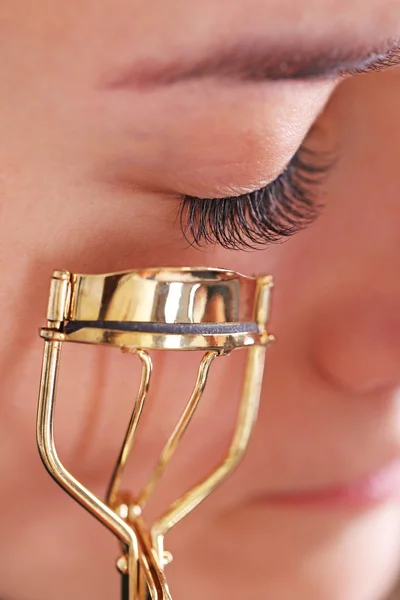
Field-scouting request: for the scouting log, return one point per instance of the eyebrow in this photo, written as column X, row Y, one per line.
column 256, row 63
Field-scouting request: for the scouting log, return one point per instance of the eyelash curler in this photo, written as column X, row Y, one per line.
column 210, row 310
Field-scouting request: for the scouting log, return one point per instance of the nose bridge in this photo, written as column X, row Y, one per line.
column 362, row 202
column 355, row 249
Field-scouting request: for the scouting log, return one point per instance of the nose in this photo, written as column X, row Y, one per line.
column 357, row 343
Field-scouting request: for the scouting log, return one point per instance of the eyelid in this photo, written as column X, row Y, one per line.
column 246, row 141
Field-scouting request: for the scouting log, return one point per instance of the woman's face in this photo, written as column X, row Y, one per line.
column 110, row 112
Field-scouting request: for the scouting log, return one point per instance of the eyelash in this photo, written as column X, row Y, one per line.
column 252, row 221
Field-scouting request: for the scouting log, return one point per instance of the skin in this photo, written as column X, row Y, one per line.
column 89, row 180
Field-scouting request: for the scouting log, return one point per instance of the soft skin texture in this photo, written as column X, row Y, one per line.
column 89, row 181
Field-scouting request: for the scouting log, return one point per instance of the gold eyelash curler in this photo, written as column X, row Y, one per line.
column 210, row 310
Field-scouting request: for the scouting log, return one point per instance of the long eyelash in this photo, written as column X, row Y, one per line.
column 252, row 221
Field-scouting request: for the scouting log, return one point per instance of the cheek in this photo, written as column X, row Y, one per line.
column 298, row 554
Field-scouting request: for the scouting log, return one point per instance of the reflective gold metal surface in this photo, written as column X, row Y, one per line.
column 163, row 296
column 143, row 309
column 213, row 310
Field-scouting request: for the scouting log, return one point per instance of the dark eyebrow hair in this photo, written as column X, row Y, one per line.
column 258, row 62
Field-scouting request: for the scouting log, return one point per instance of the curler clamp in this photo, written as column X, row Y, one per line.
column 198, row 309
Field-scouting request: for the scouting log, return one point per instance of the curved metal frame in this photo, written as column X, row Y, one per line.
column 144, row 558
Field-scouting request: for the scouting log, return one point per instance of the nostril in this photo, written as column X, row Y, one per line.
column 357, row 347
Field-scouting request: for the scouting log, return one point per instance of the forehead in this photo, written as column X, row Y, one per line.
column 162, row 20
column 316, row 17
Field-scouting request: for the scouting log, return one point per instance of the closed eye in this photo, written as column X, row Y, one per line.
column 252, row 221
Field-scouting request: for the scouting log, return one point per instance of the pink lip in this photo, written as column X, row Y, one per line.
column 373, row 489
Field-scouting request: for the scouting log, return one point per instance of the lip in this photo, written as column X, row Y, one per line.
column 380, row 486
